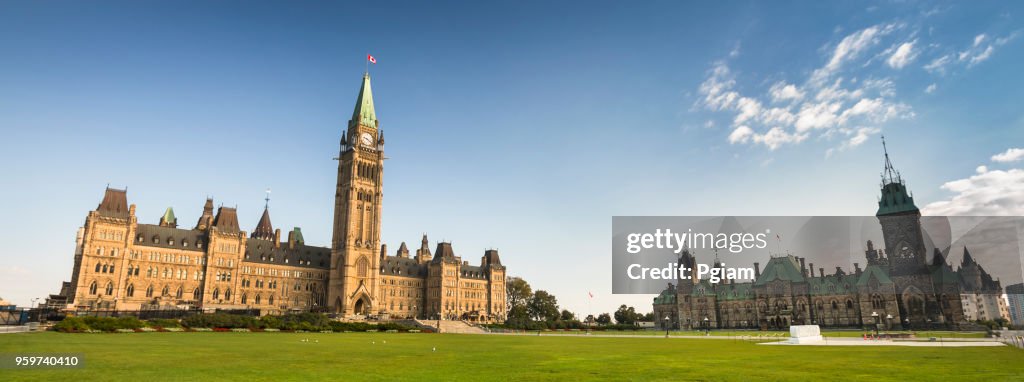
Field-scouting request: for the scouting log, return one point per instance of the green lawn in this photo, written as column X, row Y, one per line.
column 365, row 356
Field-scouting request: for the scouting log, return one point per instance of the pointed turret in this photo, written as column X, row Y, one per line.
column 938, row 259
column 363, row 113
column 403, row 251
column 968, row 259
column 264, row 230
column 206, row 219
column 423, row 254
column 168, row 220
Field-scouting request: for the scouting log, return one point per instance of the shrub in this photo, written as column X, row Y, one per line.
column 71, row 325
column 163, row 323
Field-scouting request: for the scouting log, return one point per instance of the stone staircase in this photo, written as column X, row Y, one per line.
column 449, row 326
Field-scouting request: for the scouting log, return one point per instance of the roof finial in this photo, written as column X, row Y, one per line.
column 267, row 199
column 888, row 175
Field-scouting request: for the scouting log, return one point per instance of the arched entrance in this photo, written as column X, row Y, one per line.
column 362, row 306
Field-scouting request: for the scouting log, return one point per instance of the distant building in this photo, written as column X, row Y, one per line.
column 123, row 264
column 1015, row 303
column 899, row 287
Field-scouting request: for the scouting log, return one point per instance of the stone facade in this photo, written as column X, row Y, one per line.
column 123, row 264
column 898, row 288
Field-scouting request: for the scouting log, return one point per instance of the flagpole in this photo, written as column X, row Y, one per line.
column 367, row 59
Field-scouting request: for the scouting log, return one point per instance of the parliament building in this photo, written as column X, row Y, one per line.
column 123, row 264
column 900, row 286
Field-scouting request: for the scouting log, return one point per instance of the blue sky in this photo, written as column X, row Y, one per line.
column 521, row 126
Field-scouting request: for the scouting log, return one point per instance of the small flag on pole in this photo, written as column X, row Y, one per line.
column 591, row 294
column 369, row 57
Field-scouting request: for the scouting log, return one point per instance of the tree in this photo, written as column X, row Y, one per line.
column 604, row 319
column 626, row 315
column 590, row 318
column 543, row 306
column 649, row 317
column 567, row 315
column 517, row 293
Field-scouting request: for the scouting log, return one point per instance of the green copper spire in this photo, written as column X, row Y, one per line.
column 168, row 220
column 364, row 114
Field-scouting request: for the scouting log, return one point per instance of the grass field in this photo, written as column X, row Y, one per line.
column 396, row 356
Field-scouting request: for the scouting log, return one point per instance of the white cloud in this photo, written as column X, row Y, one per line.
column 861, row 136
column 717, row 89
column 748, row 108
column 979, row 39
column 822, row 105
column 979, row 51
column 903, row 56
column 938, row 65
column 1010, row 155
column 740, row 135
column 931, row 88
column 987, row 193
column 850, row 48
column 777, row 137
column 782, row 91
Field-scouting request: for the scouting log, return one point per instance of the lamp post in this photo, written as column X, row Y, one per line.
column 874, row 315
column 33, row 306
column 888, row 323
column 906, row 322
column 666, row 326
column 707, row 326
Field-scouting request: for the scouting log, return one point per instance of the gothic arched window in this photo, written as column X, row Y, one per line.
column 130, row 291
column 362, row 267
column 92, row 288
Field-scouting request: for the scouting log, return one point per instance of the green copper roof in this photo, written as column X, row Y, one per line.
column 873, row 271
column 737, row 291
column 781, row 268
column 895, row 199
column 363, row 113
column 298, row 235
column 667, row 296
column 831, row 284
column 169, row 216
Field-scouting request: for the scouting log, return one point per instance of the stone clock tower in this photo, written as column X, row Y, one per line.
column 357, row 212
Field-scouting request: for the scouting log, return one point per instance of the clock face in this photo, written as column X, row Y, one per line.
column 367, row 139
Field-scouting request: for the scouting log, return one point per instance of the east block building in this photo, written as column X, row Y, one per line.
column 123, row 264
column 899, row 287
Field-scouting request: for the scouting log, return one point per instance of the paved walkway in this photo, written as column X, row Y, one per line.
column 837, row 341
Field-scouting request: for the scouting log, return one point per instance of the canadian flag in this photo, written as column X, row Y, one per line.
column 370, row 57
column 591, row 294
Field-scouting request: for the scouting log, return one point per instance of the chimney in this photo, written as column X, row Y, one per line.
column 803, row 267
column 821, row 270
column 277, row 238
column 757, row 270
column 131, row 210
column 839, row 270
column 291, row 239
column 812, row 269
column 856, row 267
